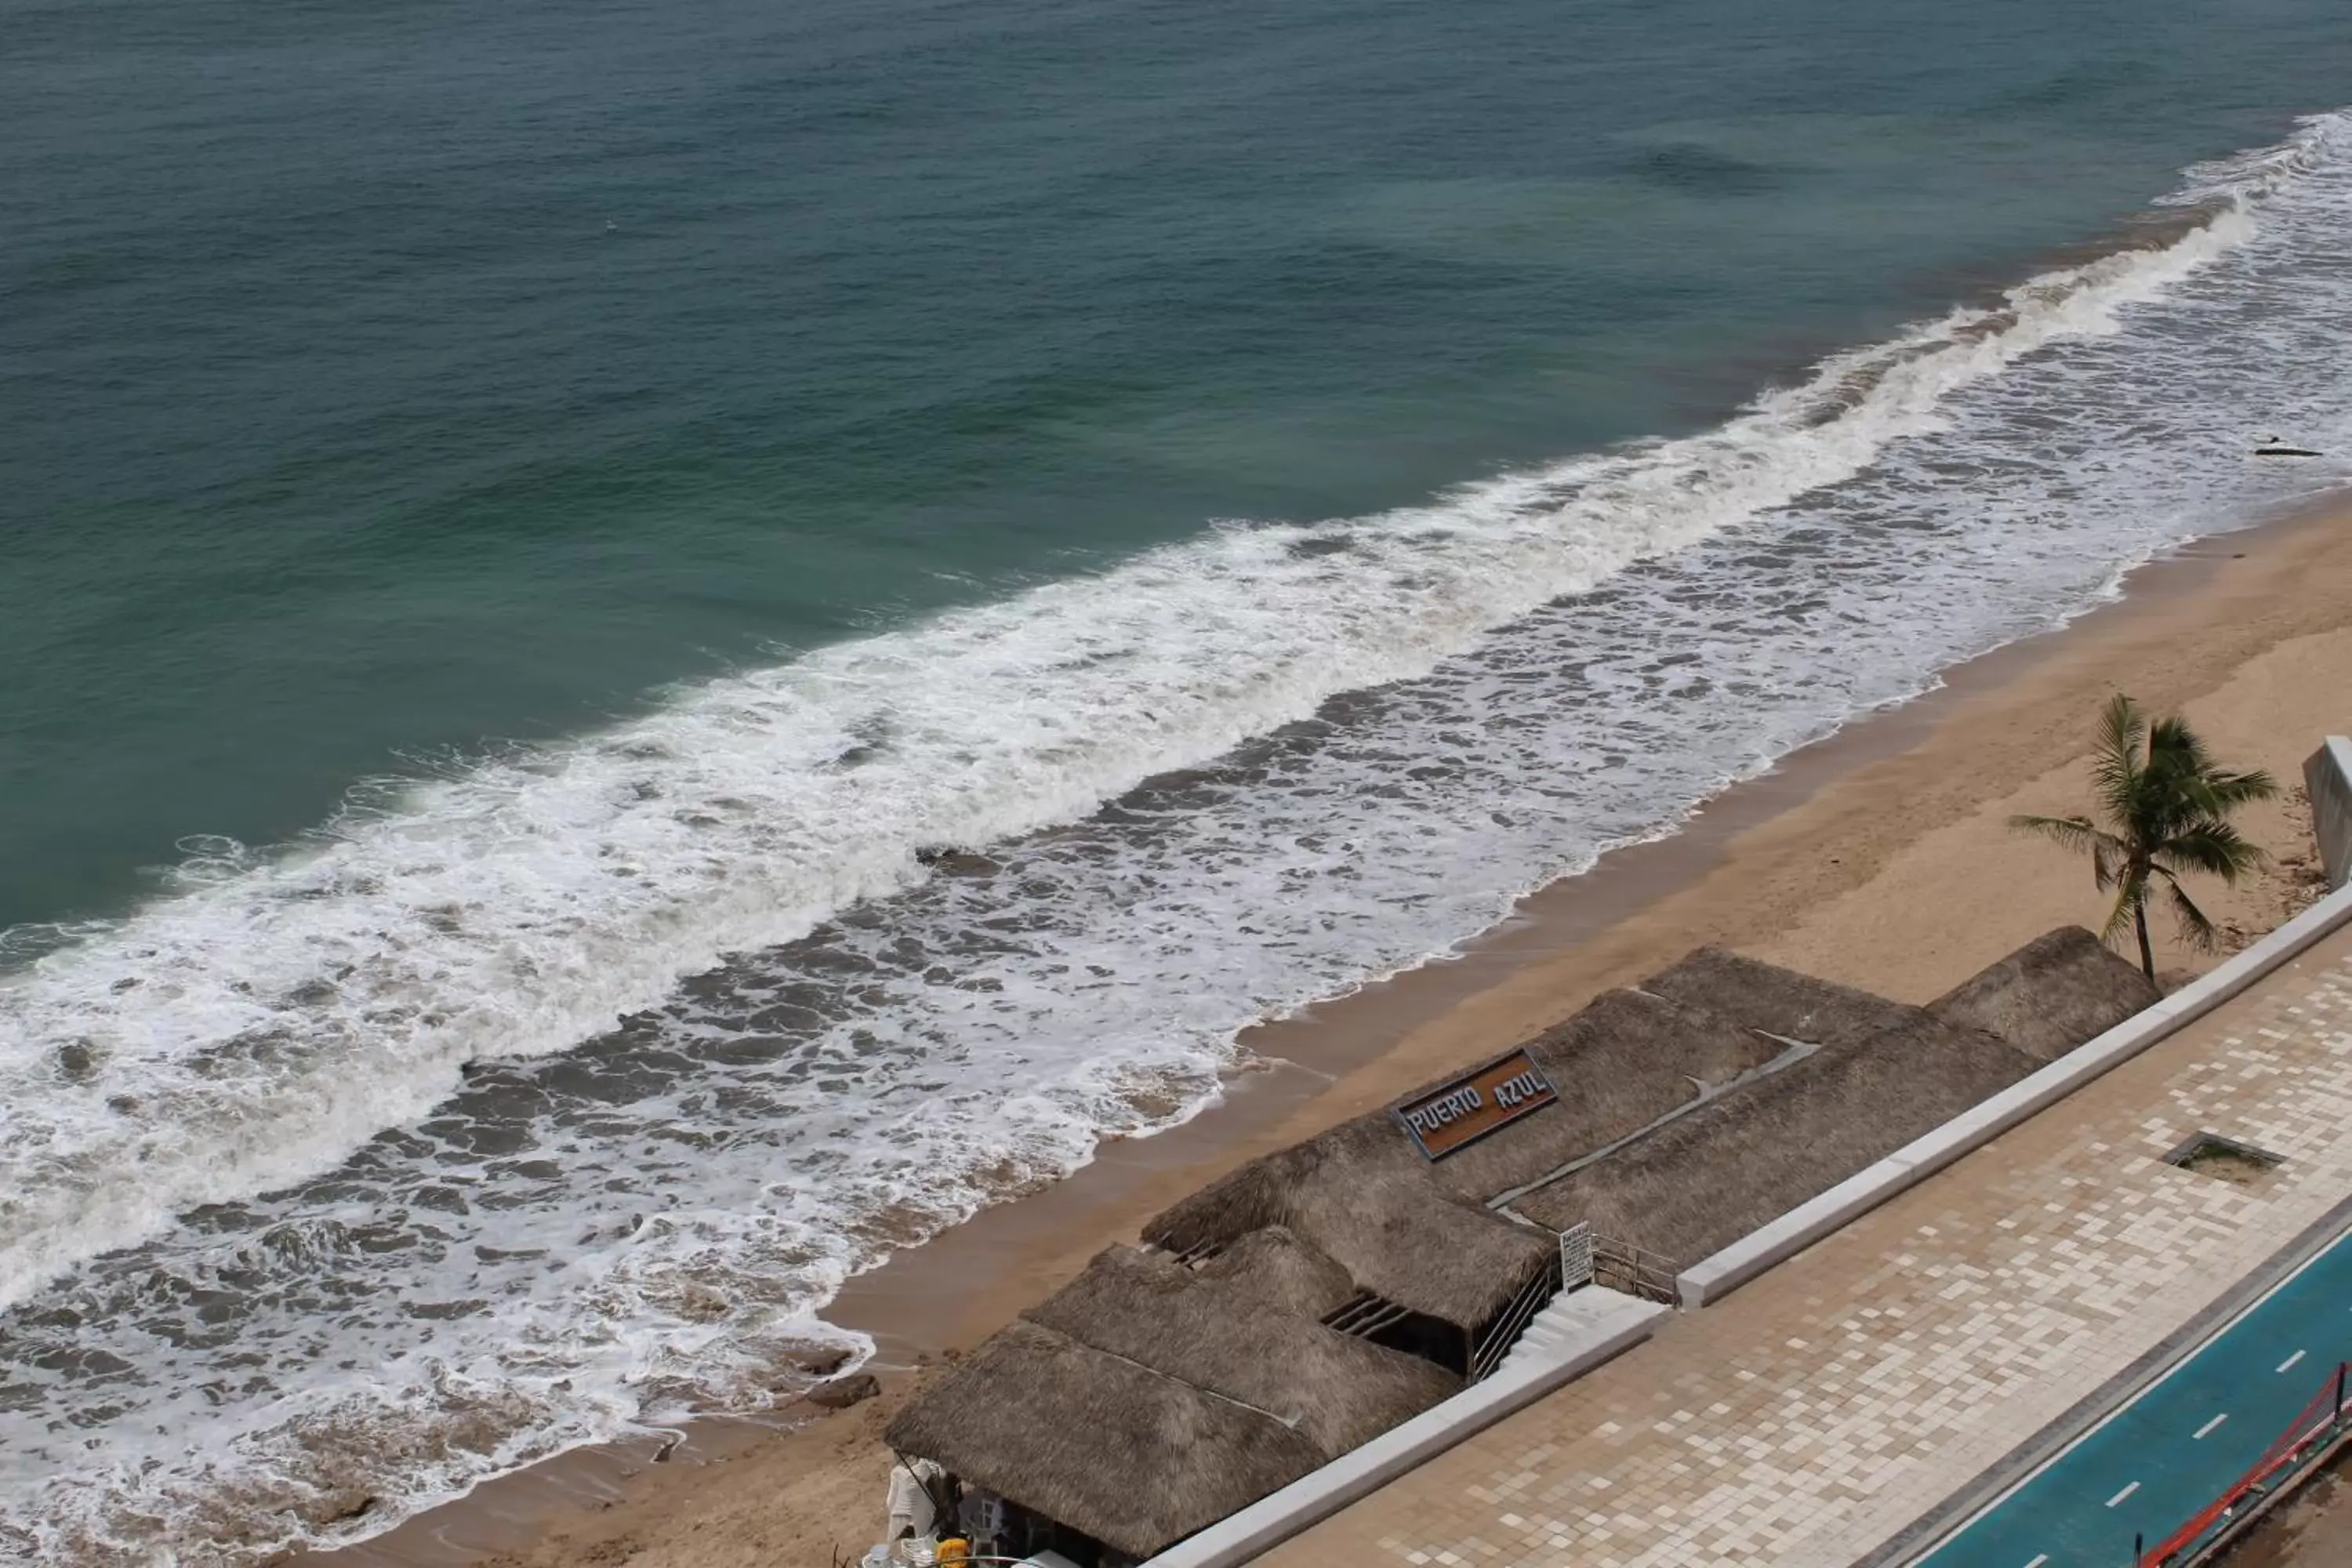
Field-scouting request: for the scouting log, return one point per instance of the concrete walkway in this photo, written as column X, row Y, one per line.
column 1895, row 1370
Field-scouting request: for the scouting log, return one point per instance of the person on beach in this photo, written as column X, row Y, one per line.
column 912, row 1513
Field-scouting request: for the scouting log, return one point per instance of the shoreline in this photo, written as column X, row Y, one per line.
column 1777, row 864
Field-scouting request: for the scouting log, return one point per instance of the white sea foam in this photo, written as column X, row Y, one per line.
column 230, row 1117
column 519, row 906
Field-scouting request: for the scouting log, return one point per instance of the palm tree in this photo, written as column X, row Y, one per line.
column 2167, row 807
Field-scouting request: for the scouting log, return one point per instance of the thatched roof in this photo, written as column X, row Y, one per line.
column 1418, row 1232
column 1276, row 1267
column 2056, row 992
column 1626, row 1060
column 1782, row 1002
column 1705, row 1180
column 1134, row 1458
column 1151, row 1397
column 1362, row 1196
column 1336, row 1390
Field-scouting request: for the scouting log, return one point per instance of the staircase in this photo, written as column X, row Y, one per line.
column 1560, row 1329
column 1614, row 1267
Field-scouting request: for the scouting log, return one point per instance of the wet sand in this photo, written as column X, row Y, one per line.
column 1880, row 856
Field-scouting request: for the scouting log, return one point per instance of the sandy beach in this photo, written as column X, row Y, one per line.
column 1882, row 858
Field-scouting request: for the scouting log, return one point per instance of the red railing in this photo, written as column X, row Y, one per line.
column 2310, row 1431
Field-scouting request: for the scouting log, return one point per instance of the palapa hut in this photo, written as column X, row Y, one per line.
column 1627, row 1059
column 2053, row 994
column 1274, row 1267
column 1879, row 1075
column 1779, row 1002
column 1224, row 1398
column 1362, row 1197
column 1421, row 1234
column 1333, row 1389
column 1110, row 1451
column 1324, row 1293
column 1703, row 1181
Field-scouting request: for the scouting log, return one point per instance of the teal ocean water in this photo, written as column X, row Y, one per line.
column 530, row 529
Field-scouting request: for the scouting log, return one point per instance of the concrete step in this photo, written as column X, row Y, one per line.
column 1566, row 1319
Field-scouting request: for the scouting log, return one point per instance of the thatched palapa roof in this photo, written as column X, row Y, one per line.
column 1274, row 1266
column 1154, row 1395
column 1420, row 1233
column 1618, row 1065
column 1133, row 1457
column 1781, row 1002
column 1336, row 1390
column 1703, row 1181
column 2056, row 992
column 1361, row 1196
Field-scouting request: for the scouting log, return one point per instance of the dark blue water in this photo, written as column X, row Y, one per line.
column 526, row 526
column 382, row 379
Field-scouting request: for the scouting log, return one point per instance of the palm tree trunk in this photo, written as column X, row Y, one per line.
column 2147, row 953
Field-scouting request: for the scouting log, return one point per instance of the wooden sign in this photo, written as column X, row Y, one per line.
column 1457, row 1114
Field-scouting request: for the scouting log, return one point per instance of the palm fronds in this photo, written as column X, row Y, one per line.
column 2165, row 806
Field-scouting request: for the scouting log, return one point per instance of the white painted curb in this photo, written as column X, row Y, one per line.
column 1612, row 1323
column 1714, row 1277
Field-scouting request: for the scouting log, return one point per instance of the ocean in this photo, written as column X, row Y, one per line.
column 654, row 650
